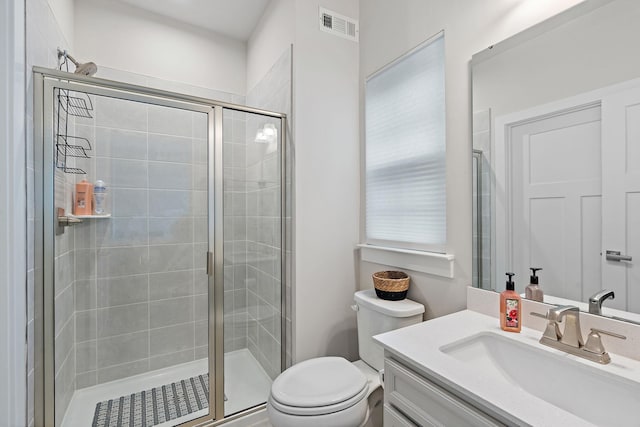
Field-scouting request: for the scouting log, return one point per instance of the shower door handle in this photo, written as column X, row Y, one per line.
column 209, row 263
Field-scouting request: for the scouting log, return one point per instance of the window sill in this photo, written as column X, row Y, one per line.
column 424, row 262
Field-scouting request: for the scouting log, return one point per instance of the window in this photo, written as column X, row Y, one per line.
column 405, row 151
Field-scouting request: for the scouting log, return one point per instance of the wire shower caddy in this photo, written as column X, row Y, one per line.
column 68, row 145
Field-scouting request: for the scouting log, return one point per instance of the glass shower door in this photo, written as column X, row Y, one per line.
column 131, row 293
column 252, row 159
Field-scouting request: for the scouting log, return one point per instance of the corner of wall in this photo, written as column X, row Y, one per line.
column 64, row 14
column 272, row 35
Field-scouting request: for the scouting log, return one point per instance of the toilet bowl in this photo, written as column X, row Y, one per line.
column 333, row 392
column 325, row 391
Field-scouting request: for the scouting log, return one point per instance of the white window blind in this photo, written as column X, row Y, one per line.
column 405, row 151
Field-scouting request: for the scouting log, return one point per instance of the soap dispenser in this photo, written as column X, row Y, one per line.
column 534, row 291
column 510, row 304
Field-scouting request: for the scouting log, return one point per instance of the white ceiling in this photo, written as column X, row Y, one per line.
column 232, row 18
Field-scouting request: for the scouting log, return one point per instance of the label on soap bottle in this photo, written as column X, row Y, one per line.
column 511, row 313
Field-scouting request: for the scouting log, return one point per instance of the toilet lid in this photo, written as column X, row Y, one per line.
column 322, row 381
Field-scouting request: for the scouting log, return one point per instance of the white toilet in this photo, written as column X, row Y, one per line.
column 331, row 391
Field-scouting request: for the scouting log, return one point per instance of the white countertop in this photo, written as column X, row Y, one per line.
column 420, row 344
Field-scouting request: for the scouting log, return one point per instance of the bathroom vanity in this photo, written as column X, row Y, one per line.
column 462, row 369
column 416, row 394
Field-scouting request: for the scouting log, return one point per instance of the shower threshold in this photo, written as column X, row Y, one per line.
column 246, row 385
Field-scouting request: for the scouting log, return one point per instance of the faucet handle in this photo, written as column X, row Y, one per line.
column 611, row 334
column 594, row 341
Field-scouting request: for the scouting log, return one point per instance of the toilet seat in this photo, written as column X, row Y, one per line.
column 319, row 386
column 319, row 410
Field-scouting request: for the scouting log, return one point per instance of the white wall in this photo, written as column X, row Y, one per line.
column 599, row 43
column 272, row 36
column 388, row 29
column 13, row 265
column 327, row 183
column 117, row 35
column 63, row 11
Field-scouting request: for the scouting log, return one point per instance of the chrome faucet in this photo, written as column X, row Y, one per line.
column 570, row 339
column 596, row 300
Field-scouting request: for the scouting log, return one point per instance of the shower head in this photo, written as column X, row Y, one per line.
column 86, row 69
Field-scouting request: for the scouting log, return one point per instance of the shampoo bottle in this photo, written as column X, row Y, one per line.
column 99, row 195
column 510, row 304
column 83, row 198
column 534, row 291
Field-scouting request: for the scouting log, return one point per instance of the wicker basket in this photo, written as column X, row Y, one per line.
column 391, row 285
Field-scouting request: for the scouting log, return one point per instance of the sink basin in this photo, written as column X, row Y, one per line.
column 588, row 392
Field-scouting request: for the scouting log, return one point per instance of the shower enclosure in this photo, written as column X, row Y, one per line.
column 167, row 307
column 481, row 218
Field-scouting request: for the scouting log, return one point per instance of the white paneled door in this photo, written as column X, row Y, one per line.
column 621, row 196
column 555, row 180
column 572, row 192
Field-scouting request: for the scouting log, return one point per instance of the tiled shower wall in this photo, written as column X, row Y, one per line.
column 273, row 93
column 141, row 286
column 234, row 142
column 64, row 318
column 251, row 222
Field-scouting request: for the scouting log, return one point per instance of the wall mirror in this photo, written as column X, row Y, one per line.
column 556, row 157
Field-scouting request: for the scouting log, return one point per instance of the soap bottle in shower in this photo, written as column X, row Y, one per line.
column 533, row 291
column 510, row 304
column 83, row 199
column 99, row 196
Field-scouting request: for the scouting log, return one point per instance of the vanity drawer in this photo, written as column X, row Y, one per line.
column 425, row 403
column 393, row 418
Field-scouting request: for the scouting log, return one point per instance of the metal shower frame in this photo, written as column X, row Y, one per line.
column 44, row 82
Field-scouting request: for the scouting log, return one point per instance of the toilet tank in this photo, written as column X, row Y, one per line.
column 376, row 316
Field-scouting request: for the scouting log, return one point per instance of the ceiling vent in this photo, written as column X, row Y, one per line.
column 338, row 25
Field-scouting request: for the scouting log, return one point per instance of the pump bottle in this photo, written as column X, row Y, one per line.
column 534, row 291
column 510, row 305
